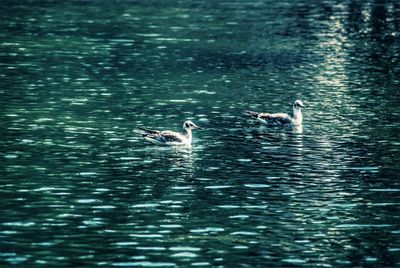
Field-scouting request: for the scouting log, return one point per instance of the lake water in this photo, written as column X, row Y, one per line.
column 80, row 187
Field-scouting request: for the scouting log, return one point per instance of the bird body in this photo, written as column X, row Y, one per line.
column 168, row 137
column 279, row 119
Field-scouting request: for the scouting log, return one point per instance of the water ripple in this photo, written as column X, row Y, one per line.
column 77, row 176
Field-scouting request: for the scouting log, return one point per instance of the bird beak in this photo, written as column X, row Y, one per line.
column 195, row 126
column 302, row 106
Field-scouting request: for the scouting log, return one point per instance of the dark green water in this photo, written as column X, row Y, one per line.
column 79, row 187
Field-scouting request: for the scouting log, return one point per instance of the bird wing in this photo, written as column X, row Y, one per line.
column 278, row 118
column 163, row 137
column 264, row 116
column 269, row 118
column 171, row 136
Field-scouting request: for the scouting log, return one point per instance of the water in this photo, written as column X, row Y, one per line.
column 79, row 187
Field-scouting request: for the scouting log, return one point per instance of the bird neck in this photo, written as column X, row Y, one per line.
column 187, row 132
column 297, row 116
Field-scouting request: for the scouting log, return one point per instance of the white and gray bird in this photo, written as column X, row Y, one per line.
column 168, row 137
column 280, row 119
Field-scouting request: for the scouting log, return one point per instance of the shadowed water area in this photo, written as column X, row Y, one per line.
column 80, row 187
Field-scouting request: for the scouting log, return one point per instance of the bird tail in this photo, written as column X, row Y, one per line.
column 148, row 131
column 252, row 114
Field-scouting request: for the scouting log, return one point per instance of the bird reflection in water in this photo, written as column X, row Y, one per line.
column 174, row 158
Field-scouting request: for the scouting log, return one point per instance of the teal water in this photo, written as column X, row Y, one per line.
column 79, row 187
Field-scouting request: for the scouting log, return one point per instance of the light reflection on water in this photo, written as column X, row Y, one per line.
column 81, row 188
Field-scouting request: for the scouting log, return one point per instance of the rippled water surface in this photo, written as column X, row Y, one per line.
column 79, row 187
